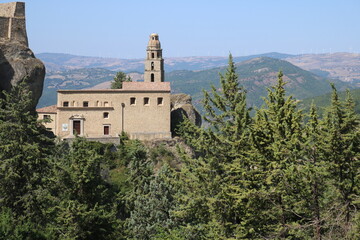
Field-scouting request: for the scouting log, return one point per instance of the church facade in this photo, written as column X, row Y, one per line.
column 140, row 109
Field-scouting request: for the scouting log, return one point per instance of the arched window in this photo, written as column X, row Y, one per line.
column 152, row 77
column 152, row 55
column 106, row 104
column 152, row 65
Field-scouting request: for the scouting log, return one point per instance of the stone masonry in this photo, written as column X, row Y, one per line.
column 12, row 22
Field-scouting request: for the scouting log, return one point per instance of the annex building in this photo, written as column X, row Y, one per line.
column 141, row 109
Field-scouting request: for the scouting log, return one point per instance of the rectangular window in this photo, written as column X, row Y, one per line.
column 146, row 101
column 65, row 104
column 106, row 115
column 132, row 101
column 106, row 130
column 46, row 117
column 85, row 104
column 160, row 101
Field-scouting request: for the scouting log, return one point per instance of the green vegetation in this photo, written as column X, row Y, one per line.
column 280, row 174
column 119, row 78
column 255, row 76
column 322, row 102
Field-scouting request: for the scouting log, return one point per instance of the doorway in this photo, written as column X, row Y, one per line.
column 76, row 127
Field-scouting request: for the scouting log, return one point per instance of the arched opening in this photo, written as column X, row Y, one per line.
column 152, row 65
column 152, row 55
column 152, row 77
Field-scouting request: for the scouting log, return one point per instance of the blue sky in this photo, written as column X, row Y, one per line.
column 120, row 28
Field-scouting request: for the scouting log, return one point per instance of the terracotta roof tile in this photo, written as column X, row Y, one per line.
column 129, row 86
column 48, row 109
column 143, row 86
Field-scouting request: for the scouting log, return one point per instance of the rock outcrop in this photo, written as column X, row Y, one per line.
column 17, row 61
column 181, row 107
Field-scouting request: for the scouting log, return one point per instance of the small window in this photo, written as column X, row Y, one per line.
column 49, row 129
column 152, row 77
column 160, row 101
column 106, row 115
column 98, row 104
column 152, row 55
column 146, row 101
column 106, row 104
column 132, row 101
column 65, row 104
column 106, row 130
column 46, row 117
column 85, row 104
column 152, row 65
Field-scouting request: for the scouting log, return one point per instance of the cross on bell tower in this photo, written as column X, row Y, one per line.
column 154, row 63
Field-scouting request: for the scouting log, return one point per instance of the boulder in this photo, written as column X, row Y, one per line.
column 18, row 63
column 181, row 107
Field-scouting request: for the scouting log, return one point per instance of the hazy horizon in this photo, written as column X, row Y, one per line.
column 120, row 29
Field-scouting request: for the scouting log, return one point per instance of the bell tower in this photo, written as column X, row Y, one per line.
column 154, row 63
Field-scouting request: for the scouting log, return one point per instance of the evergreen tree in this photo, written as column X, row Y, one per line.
column 217, row 175
column 119, row 78
column 314, row 179
column 85, row 205
column 152, row 207
column 277, row 138
column 24, row 148
column 340, row 148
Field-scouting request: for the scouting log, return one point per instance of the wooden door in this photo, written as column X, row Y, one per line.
column 76, row 127
column 106, row 130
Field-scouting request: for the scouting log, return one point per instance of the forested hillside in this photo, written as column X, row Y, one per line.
column 268, row 176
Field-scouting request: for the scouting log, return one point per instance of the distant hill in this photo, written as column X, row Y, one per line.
column 61, row 62
column 341, row 66
column 255, row 75
column 324, row 101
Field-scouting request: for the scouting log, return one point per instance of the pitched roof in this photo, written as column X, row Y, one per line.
column 48, row 109
column 147, row 86
column 129, row 87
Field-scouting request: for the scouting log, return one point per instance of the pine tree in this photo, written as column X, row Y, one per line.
column 84, row 205
column 119, row 78
column 313, row 169
column 24, row 148
column 277, row 138
column 214, row 174
column 152, row 207
column 340, row 148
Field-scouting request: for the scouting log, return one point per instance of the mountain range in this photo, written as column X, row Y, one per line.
column 342, row 66
column 255, row 74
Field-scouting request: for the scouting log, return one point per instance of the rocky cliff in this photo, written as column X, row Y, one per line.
column 181, row 107
column 17, row 61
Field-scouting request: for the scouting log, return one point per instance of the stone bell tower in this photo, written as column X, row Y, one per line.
column 154, row 63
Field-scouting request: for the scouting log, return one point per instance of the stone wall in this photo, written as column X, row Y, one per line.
column 12, row 22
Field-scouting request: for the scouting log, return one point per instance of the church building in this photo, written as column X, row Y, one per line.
column 140, row 109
